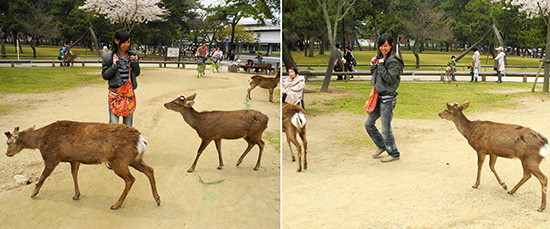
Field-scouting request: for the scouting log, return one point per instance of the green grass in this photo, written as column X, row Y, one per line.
column 273, row 139
column 43, row 80
column 45, row 50
column 423, row 100
column 426, row 58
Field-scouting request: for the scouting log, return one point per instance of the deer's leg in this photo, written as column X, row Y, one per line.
column 271, row 94
column 122, row 171
column 74, row 171
column 543, row 183
column 288, row 140
column 294, row 141
column 261, row 145
column 252, row 86
column 480, row 159
column 149, row 172
column 492, row 161
column 250, row 145
column 203, row 146
column 526, row 176
column 304, row 141
column 219, row 148
column 48, row 169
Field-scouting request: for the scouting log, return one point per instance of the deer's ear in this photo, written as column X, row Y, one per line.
column 189, row 103
column 449, row 106
column 192, row 96
column 8, row 134
column 465, row 105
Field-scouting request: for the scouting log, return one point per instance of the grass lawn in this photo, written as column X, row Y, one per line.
column 423, row 100
column 43, row 80
column 45, row 50
column 426, row 58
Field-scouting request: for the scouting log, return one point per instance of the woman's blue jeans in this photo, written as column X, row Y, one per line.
column 384, row 111
column 125, row 120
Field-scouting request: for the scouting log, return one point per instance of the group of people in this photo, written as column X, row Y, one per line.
column 475, row 65
column 347, row 63
column 66, row 49
column 216, row 55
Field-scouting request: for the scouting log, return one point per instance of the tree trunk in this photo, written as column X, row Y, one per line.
column 328, row 74
column 357, row 41
column 471, row 47
column 322, row 46
column 416, row 49
column 2, row 43
column 305, row 47
column 94, row 37
column 287, row 57
column 547, row 59
column 33, row 43
column 311, row 48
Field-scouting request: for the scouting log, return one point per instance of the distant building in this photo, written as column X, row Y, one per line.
column 269, row 38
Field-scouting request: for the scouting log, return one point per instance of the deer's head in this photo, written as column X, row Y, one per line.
column 15, row 145
column 453, row 110
column 181, row 103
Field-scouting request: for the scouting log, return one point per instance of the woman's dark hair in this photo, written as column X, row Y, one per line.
column 294, row 69
column 386, row 37
column 122, row 36
column 348, row 47
column 474, row 49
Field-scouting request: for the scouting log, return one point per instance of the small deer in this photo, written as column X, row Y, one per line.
column 265, row 67
column 218, row 125
column 502, row 140
column 69, row 58
column 294, row 122
column 86, row 143
column 264, row 82
column 449, row 71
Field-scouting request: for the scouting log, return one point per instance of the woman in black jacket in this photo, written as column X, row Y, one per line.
column 350, row 61
column 386, row 71
column 121, row 66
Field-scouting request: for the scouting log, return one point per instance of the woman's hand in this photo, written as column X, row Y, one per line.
column 373, row 61
column 133, row 57
column 115, row 59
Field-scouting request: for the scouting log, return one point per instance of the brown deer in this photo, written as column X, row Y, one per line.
column 502, row 140
column 218, row 125
column 294, row 122
column 264, row 82
column 86, row 143
column 449, row 71
column 265, row 67
column 69, row 58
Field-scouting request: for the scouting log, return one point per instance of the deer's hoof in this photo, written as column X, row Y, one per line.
column 76, row 197
column 114, row 208
column 505, row 187
column 238, row 165
column 189, row 171
column 255, row 169
column 473, row 186
column 34, row 195
column 219, row 168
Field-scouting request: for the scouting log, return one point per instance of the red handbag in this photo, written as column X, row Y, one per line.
column 370, row 104
column 122, row 100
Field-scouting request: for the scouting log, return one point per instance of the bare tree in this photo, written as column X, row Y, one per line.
column 333, row 12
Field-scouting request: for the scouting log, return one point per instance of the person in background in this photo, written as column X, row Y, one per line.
column 260, row 58
column 202, row 53
column 476, row 61
column 386, row 71
column 499, row 63
column 453, row 63
column 293, row 87
column 350, row 61
column 338, row 63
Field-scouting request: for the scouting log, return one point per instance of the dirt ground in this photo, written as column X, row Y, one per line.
column 431, row 186
column 246, row 199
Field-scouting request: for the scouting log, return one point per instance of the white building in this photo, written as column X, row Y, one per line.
column 269, row 37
